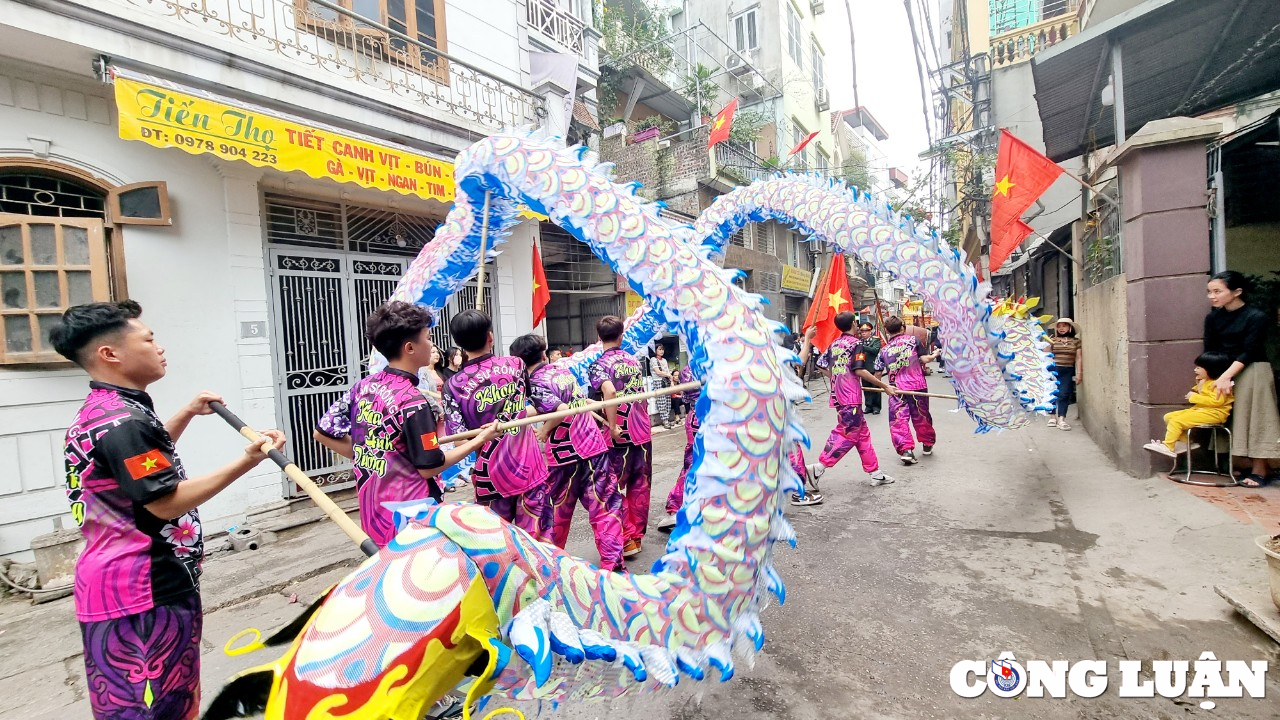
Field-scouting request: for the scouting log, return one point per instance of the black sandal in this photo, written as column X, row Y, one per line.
column 1254, row 481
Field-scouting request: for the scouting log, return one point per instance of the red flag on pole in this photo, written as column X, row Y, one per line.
column 1022, row 176
column 541, row 293
column 800, row 145
column 833, row 297
column 722, row 124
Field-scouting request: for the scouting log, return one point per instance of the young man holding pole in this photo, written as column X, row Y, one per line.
column 577, row 455
column 386, row 426
column 846, row 360
column 510, row 473
column 902, row 361
column 615, row 373
column 137, row 583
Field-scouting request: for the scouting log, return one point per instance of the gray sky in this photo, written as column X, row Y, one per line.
column 887, row 82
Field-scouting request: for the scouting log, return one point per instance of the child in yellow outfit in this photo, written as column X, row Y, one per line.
column 1208, row 406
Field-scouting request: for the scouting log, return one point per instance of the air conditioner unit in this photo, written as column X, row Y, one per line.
column 817, row 6
column 737, row 64
column 822, row 98
column 758, row 83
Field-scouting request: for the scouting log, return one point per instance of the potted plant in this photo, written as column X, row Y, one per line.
column 647, row 129
column 1270, row 545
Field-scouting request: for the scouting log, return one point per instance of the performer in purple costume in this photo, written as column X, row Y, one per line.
column 615, row 373
column 902, row 361
column 577, row 455
column 845, row 361
column 510, row 474
column 137, row 583
column 387, row 427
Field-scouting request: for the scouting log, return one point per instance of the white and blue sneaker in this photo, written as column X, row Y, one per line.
column 813, row 472
column 879, row 479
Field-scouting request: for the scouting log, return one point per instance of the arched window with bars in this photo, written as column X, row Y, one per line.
column 55, row 252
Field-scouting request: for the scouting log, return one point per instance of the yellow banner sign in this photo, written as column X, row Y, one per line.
column 167, row 118
column 634, row 301
column 794, row 278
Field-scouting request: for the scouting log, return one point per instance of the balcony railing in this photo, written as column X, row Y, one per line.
column 742, row 164
column 1022, row 44
column 562, row 27
column 332, row 39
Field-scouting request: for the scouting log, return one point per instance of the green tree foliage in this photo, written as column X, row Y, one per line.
column 699, row 89
column 856, row 170
column 746, row 126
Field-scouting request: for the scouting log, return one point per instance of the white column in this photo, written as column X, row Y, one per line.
column 256, row 403
column 513, row 280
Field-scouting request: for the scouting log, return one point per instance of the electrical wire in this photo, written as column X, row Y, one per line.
column 915, row 41
column 933, row 41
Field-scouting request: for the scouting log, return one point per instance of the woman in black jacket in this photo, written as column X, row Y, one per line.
column 1240, row 330
column 872, row 402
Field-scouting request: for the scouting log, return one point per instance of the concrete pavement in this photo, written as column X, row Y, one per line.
column 1025, row 541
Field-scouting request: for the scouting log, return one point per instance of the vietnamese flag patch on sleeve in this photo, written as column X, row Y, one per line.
column 429, row 441
column 860, row 357
column 148, row 463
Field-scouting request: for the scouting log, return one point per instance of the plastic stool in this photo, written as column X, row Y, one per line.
column 1190, row 469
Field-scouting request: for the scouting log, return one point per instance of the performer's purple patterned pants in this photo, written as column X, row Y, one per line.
column 145, row 666
column 676, row 497
column 634, row 466
column 905, row 411
column 593, row 483
column 850, row 431
column 526, row 511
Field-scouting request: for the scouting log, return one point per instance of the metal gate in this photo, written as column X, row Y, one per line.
column 320, row 302
column 331, row 265
column 593, row 310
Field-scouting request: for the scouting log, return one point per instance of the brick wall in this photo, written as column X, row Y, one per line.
column 670, row 174
column 637, row 162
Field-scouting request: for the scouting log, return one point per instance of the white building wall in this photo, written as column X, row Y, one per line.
column 184, row 276
column 514, row 283
column 487, row 34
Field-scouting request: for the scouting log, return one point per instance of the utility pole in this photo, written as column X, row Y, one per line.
column 853, row 52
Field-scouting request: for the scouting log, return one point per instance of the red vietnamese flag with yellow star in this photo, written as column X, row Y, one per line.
column 149, row 462
column 832, row 298
column 541, row 293
column 722, row 124
column 1022, row 176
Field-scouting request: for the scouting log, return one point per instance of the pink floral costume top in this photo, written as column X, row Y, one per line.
column 120, row 458
column 844, row 358
column 623, row 370
column 491, row 388
column 900, row 360
column 581, row 436
column 393, row 434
